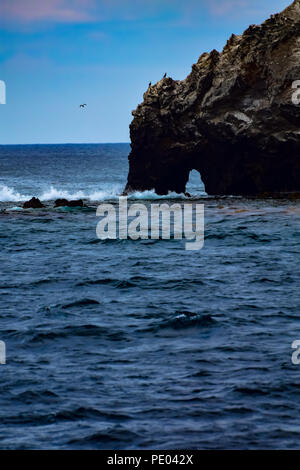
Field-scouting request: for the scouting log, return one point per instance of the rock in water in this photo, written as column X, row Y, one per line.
column 234, row 118
column 66, row 203
column 34, row 203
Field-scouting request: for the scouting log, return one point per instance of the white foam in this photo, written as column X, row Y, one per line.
column 53, row 193
column 8, row 194
column 111, row 193
column 152, row 195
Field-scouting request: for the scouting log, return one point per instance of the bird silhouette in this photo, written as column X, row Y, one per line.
column 149, row 84
column 165, row 75
column 82, row 105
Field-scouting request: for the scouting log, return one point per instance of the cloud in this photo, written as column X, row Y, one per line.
column 46, row 10
column 223, row 7
column 80, row 11
column 244, row 7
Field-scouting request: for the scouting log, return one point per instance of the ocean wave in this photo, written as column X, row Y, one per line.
column 85, row 331
column 81, row 303
column 72, row 414
column 53, row 193
column 183, row 320
column 143, row 282
column 119, row 283
column 109, row 435
column 188, row 320
column 9, row 194
column 149, row 195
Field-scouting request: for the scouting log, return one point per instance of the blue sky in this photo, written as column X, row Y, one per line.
column 56, row 54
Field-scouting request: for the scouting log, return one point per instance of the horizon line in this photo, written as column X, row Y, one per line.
column 70, row 143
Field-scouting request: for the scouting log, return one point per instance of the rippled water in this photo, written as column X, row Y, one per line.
column 141, row 344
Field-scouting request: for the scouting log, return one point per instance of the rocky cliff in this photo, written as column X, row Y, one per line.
column 232, row 119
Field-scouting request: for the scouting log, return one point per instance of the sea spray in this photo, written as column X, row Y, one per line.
column 10, row 194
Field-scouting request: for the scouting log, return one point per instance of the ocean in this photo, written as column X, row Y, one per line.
column 123, row 344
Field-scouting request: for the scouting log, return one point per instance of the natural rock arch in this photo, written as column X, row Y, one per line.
column 233, row 118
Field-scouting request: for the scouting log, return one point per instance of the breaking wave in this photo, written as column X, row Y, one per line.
column 8, row 194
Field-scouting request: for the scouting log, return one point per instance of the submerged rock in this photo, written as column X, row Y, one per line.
column 34, row 203
column 66, row 203
column 233, row 118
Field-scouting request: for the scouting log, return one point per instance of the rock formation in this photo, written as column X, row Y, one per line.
column 66, row 203
column 233, row 118
column 34, row 203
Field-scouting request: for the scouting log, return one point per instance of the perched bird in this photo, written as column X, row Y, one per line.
column 82, row 105
column 165, row 75
column 149, row 84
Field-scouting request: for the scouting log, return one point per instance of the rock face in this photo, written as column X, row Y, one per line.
column 234, row 118
column 66, row 203
column 34, row 203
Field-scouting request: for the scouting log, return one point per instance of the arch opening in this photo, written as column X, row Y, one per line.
column 195, row 185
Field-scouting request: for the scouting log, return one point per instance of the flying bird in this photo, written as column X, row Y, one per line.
column 82, row 105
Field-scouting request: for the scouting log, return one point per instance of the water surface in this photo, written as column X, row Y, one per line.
column 125, row 344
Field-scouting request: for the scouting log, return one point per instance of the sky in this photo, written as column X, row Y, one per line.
column 57, row 54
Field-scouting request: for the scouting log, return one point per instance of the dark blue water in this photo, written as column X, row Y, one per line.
column 142, row 344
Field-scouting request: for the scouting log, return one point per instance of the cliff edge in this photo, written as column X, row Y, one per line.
column 233, row 118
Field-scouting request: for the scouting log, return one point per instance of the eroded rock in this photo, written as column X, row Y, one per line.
column 34, row 203
column 232, row 118
column 66, row 203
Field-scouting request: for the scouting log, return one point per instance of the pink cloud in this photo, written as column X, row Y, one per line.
column 245, row 7
column 222, row 7
column 78, row 11
column 49, row 10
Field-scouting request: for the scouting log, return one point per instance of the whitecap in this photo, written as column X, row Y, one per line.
column 53, row 193
column 8, row 194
